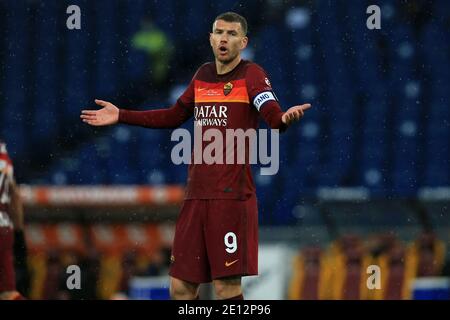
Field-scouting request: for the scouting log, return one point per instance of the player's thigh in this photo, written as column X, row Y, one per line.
column 228, row 282
column 180, row 287
column 228, row 286
column 232, row 237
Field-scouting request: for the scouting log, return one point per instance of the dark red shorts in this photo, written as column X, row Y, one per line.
column 215, row 239
column 7, row 275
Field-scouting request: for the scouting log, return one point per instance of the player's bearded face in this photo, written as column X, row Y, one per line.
column 227, row 40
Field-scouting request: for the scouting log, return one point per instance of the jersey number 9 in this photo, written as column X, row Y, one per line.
column 230, row 242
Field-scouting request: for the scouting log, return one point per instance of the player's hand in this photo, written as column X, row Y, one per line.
column 294, row 113
column 109, row 114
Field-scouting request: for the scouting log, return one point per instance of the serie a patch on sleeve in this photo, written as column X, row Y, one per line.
column 263, row 97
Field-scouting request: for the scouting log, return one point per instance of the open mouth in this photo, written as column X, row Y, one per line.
column 223, row 49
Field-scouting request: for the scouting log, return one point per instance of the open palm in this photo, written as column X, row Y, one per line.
column 108, row 115
column 294, row 113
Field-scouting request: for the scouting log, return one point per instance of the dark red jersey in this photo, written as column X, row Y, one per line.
column 6, row 176
column 7, row 275
column 234, row 100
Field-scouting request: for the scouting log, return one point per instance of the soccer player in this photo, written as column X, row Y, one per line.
column 12, row 242
column 216, row 235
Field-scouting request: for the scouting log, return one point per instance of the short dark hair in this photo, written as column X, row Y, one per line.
column 233, row 17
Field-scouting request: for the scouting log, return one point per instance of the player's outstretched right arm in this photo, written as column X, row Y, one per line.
column 105, row 116
column 166, row 118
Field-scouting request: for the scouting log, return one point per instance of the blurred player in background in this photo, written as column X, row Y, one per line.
column 216, row 236
column 12, row 241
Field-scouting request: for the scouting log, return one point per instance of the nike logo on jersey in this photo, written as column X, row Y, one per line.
column 227, row 264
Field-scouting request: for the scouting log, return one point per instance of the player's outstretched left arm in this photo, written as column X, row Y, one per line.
column 294, row 113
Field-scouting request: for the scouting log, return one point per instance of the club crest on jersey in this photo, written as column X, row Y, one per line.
column 227, row 88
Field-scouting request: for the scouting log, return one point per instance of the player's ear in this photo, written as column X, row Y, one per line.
column 210, row 39
column 244, row 43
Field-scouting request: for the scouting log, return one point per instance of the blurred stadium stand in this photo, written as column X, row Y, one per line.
column 379, row 128
column 339, row 271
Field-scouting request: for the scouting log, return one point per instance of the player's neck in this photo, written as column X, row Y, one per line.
column 223, row 68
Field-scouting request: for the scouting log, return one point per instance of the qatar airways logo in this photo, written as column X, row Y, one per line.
column 211, row 115
column 227, row 146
